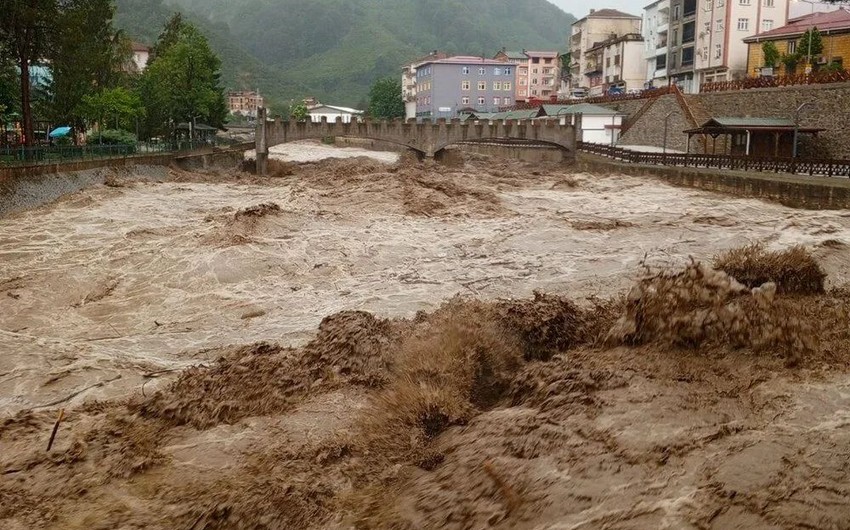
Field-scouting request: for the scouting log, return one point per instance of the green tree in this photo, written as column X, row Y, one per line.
column 299, row 112
column 25, row 31
column 811, row 44
column 182, row 82
column 86, row 55
column 116, row 107
column 9, row 90
column 790, row 61
column 385, row 100
column 771, row 53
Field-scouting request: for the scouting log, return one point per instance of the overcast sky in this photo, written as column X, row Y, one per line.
column 581, row 8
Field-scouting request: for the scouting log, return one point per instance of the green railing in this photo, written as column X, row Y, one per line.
column 17, row 156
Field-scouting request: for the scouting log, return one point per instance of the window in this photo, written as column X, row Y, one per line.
column 465, row 100
column 506, row 86
column 792, row 46
column 523, row 81
column 547, row 71
column 497, row 71
column 497, row 101
column 718, row 51
column 607, row 62
column 482, row 85
column 508, row 71
column 675, row 36
column 465, row 85
column 534, row 70
column 768, row 3
column 676, row 12
column 709, row 5
column 688, row 31
column 534, row 81
column 690, row 8
column 536, row 60
column 497, row 85
column 674, row 60
column 660, row 62
column 743, row 24
column 718, row 26
column 482, row 71
column 744, row 2
column 720, row 3
column 534, row 92
column 767, row 25
column 465, row 70
column 687, row 56
column 522, row 92
column 507, row 101
column 481, row 101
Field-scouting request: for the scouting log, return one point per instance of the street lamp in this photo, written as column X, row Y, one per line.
column 797, row 126
column 809, row 52
column 666, row 119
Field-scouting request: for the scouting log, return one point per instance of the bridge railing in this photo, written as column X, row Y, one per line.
column 812, row 167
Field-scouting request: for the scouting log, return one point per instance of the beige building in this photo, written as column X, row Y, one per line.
column 244, row 103
column 544, row 73
column 141, row 56
column 520, row 59
column 600, row 25
column 721, row 27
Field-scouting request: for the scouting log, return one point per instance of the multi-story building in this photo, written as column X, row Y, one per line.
column 445, row 87
column 544, row 74
column 656, row 26
column 721, row 27
column 141, row 56
column 520, row 60
column 834, row 28
column 616, row 63
column 245, row 103
column 681, row 44
column 408, row 82
column 600, row 25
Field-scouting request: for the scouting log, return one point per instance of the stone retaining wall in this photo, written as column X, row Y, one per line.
column 830, row 110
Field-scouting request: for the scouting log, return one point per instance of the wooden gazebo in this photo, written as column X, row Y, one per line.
column 756, row 137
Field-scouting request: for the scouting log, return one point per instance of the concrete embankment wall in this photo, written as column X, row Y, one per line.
column 829, row 110
column 28, row 187
column 813, row 193
column 534, row 154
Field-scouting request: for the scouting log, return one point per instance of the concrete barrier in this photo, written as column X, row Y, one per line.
column 812, row 193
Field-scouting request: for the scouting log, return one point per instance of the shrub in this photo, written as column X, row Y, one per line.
column 113, row 137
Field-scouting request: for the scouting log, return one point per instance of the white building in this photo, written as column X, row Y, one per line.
column 332, row 112
column 656, row 25
column 599, row 125
column 141, row 56
column 586, row 34
column 721, row 26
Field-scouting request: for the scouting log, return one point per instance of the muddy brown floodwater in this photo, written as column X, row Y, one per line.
column 243, row 352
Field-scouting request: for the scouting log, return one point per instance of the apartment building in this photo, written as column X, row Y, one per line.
column 408, row 81
column 655, row 29
column 721, row 27
column 244, row 103
column 681, row 44
column 586, row 34
column 544, row 74
column 446, row 87
column 520, row 60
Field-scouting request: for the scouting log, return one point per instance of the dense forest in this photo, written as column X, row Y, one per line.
column 334, row 49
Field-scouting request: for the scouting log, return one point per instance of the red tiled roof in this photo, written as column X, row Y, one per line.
column 830, row 21
column 541, row 54
column 139, row 47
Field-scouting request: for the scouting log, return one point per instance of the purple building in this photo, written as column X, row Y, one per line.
column 447, row 87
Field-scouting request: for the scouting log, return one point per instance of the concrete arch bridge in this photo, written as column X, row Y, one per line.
column 427, row 139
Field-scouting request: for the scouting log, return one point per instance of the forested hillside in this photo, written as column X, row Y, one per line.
column 334, row 49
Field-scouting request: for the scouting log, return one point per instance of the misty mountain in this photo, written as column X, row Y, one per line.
column 334, row 49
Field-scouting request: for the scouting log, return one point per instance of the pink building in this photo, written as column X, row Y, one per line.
column 537, row 73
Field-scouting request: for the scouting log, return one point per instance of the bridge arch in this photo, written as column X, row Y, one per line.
column 424, row 138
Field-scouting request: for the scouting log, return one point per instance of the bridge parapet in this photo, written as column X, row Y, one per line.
column 426, row 138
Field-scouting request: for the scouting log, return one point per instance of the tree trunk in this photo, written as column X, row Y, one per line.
column 26, row 103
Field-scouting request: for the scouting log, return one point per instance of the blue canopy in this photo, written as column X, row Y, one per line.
column 58, row 132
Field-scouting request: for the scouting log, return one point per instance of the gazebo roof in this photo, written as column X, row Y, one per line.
column 734, row 124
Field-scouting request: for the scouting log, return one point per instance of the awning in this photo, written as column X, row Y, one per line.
column 59, row 132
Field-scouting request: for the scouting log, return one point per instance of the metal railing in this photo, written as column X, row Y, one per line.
column 38, row 155
column 820, row 167
column 817, row 78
